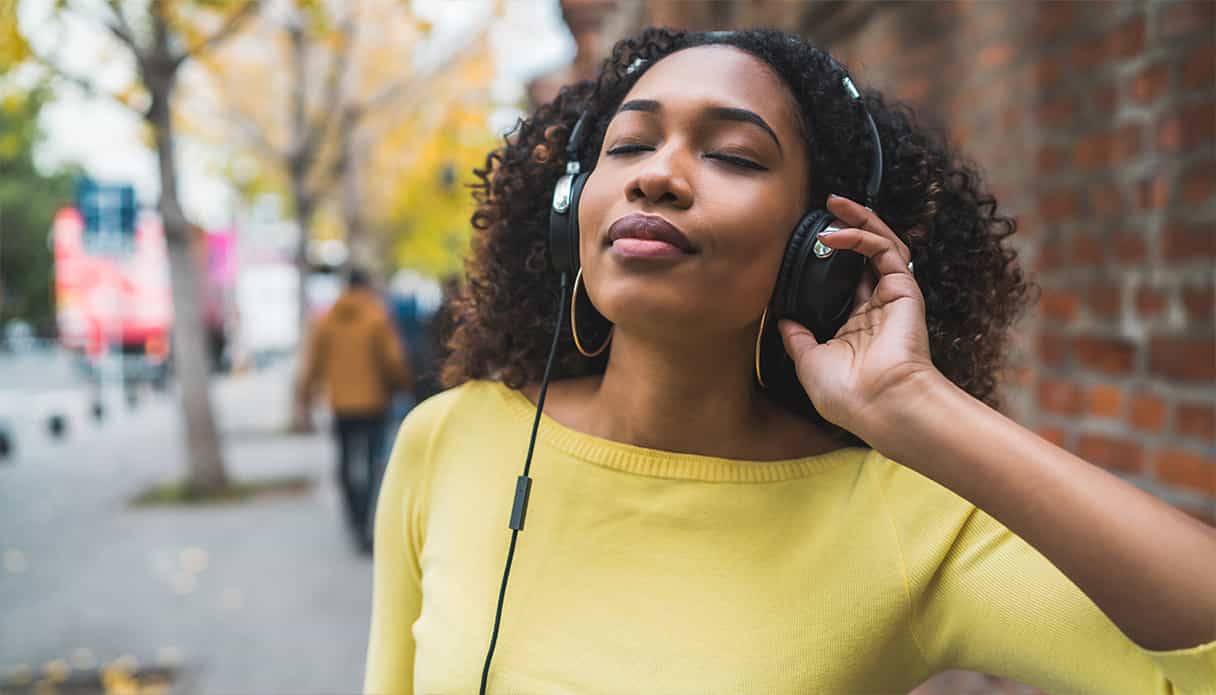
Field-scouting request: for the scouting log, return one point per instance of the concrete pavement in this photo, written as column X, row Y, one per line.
column 263, row 596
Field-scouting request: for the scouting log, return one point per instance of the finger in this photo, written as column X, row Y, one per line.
column 865, row 288
column 884, row 256
column 857, row 215
column 798, row 340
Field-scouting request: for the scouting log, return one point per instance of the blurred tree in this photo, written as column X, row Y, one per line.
column 429, row 204
column 28, row 201
column 158, row 37
column 350, row 79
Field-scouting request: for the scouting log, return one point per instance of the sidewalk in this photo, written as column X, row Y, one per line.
column 265, row 596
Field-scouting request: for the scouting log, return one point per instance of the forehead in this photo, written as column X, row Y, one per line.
column 722, row 75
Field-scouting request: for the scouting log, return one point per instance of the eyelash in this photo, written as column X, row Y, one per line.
column 728, row 159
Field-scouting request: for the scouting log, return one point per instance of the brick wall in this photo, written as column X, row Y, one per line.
column 1095, row 124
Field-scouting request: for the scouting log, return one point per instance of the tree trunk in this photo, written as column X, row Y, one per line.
column 301, row 410
column 359, row 254
column 204, row 454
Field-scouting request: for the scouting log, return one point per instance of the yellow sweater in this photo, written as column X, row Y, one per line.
column 643, row 571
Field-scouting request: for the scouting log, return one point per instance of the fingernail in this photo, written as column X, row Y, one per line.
column 828, row 231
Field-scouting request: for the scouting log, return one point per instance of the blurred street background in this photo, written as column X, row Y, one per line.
column 185, row 186
column 267, row 596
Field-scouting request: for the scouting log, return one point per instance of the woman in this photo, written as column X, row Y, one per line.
column 693, row 531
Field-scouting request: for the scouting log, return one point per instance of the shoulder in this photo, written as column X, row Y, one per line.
column 458, row 406
column 444, row 424
column 919, row 507
column 930, row 521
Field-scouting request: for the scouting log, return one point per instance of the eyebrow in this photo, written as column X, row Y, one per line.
column 719, row 113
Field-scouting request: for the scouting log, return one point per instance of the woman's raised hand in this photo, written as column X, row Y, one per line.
column 882, row 352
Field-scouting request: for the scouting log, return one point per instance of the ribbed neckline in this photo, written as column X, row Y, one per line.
column 667, row 464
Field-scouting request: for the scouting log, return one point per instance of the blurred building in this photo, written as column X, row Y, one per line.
column 1095, row 125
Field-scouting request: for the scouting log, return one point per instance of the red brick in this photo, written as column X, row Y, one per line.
column 995, row 55
column 1060, row 397
column 1150, row 84
column 1187, row 129
column 1053, row 434
column 1057, row 112
column 1105, row 400
column 1178, row 19
column 1049, row 69
column 1106, row 200
column 1199, row 68
column 1199, row 303
column 1195, row 419
column 1186, row 469
column 1147, row 413
column 1111, row 452
column 1106, row 355
column 1022, row 376
column 1089, row 53
column 1059, row 305
column 1127, row 39
column 1085, row 249
column 1058, row 206
column 1130, row 248
column 1057, row 17
column 1181, row 241
column 1199, row 183
column 1053, row 348
column 1184, row 359
column 1104, row 300
column 1150, row 302
column 1011, row 118
column 1049, row 258
column 1051, row 159
column 1105, row 99
column 1092, row 151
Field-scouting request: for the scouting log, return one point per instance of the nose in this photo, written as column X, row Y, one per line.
column 658, row 179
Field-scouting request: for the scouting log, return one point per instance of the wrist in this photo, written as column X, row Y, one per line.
column 905, row 409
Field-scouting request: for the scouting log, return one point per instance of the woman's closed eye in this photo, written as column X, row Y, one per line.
column 728, row 159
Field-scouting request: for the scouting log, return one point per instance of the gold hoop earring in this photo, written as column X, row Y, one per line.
column 759, row 337
column 578, row 345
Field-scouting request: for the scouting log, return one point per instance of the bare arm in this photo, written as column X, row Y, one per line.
column 1149, row 567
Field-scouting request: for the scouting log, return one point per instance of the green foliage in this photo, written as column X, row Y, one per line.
column 429, row 217
column 13, row 48
column 28, row 201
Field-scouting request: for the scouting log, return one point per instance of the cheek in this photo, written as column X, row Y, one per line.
column 593, row 206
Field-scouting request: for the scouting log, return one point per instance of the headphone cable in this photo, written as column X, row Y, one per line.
column 523, row 484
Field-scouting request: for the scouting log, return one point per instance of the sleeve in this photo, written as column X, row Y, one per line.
column 984, row 599
column 397, row 575
column 395, row 360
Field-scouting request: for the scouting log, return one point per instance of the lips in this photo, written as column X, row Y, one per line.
column 651, row 228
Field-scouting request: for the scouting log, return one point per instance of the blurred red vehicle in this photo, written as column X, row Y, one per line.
column 123, row 301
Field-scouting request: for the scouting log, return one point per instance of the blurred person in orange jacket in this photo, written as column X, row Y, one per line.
column 354, row 350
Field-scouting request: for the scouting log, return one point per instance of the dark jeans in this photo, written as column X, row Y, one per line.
column 360, row 456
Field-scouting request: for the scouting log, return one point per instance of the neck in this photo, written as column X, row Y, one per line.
column 690, row 396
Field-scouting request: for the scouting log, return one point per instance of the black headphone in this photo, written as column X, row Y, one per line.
column 815, row 283
column 815, row 286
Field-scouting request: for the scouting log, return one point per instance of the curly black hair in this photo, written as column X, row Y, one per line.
column 502, row 319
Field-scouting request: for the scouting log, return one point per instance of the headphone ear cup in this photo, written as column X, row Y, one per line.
column 816, row 292
column 563, row 224
column 789, row 277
